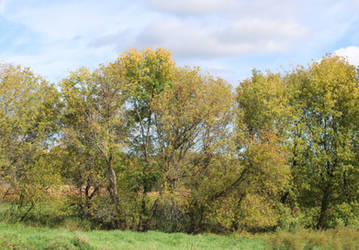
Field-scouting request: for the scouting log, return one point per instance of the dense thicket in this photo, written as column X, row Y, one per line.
column 144, row 144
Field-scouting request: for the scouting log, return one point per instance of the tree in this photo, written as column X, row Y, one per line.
column 29, row 121
column 324, row 135
column 94, row 128
column 263, row 104
column 146, row 74
column 262, row 121
column 192, row 131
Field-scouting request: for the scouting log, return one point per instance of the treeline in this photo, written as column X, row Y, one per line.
column 144, row 144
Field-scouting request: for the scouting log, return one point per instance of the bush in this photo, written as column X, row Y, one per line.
column 341, row 238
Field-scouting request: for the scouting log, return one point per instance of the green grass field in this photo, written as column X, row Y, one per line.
column 52, row 228
column 18, row 236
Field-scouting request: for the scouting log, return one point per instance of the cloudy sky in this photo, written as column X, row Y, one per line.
column 225, row 37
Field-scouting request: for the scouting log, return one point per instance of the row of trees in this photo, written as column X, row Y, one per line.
column 150, row 145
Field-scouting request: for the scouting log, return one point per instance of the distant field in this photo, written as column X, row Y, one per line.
column 22, row 237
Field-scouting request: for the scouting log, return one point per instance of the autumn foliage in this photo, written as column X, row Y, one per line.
column 145, row 144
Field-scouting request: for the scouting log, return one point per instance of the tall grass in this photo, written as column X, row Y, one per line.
column 52, row 214
column 340, row 238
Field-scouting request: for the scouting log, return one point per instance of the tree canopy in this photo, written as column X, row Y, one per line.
column 147, row 144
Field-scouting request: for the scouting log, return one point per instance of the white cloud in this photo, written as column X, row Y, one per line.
column 69, row 19
column 350, row 53
column 58, row 35
column 191, row 38
column 224, row 28
column 62, row 31
column 55, row 61
column 254, row 29
column 193, row 7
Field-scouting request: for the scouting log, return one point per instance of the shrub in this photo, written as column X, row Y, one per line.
column 341, row 238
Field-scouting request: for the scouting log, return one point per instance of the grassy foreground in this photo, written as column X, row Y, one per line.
column 21, row 237
column 49, row 227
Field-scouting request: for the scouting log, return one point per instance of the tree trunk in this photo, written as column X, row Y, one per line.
column 140, row 226
column 323, row 209
column 147, row 224
column 111, row 177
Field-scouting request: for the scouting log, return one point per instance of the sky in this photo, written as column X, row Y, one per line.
column 226, row 38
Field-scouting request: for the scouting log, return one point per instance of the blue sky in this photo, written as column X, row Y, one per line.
column 224, row 37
